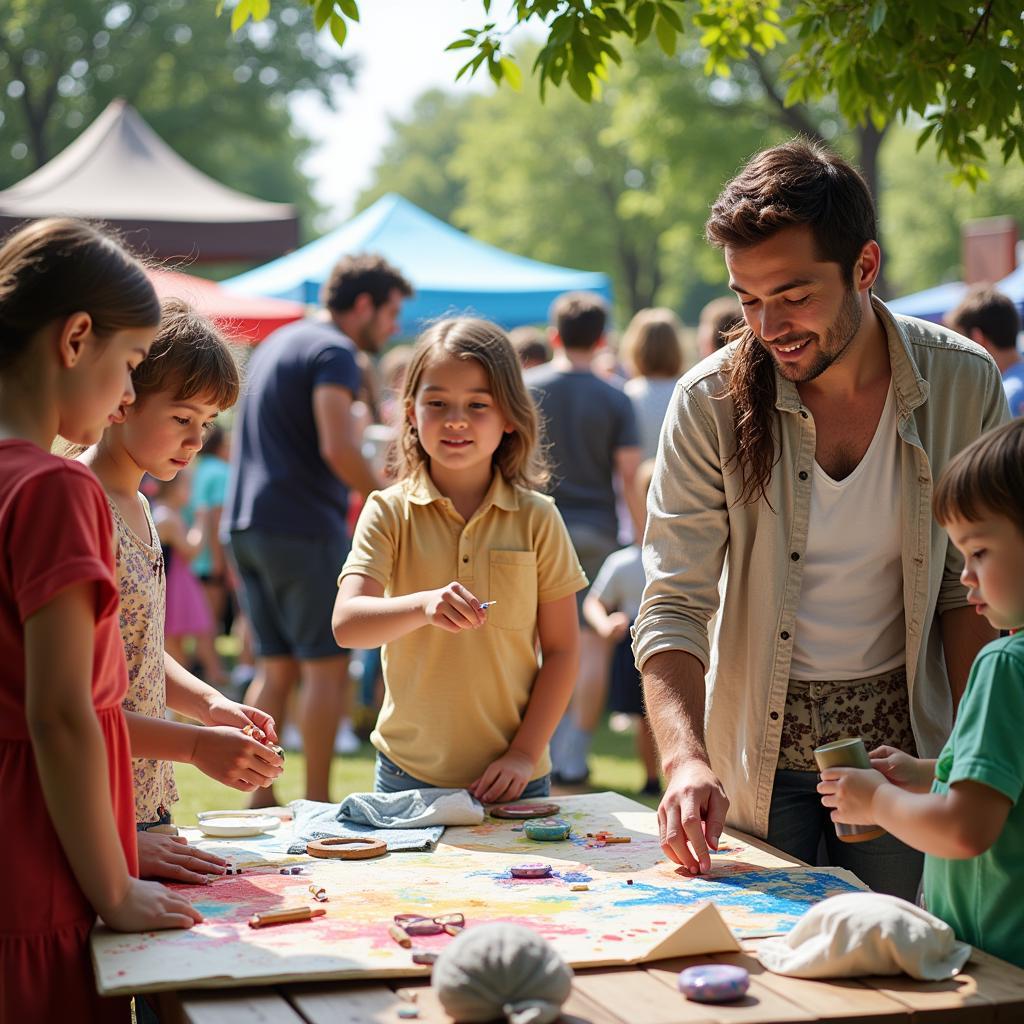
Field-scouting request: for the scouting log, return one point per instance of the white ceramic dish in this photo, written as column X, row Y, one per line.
column 235, row 824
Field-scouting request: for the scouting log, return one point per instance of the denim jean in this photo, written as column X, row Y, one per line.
column 389, row 778
column 163, row 818
column 799, row 825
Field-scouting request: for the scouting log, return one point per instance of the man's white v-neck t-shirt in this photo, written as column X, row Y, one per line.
column 850, row 621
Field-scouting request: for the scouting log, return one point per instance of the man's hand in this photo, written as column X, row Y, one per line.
column 691, row 815
column 910, row 773
column 849, row 791
column 503, row 779
column 453, row 608
column 171, row 858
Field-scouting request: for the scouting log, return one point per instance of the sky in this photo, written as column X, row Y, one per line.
column 399, row 46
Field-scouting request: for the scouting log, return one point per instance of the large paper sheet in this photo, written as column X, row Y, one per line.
column 637, row 906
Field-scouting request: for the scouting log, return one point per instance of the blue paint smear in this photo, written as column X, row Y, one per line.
column 209, row 910
column 786, row 897
column 575, row 877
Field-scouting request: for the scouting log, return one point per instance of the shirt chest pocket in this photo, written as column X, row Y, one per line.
column 513, row 585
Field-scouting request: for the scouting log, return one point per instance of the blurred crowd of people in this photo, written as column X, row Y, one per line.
column 602, row 397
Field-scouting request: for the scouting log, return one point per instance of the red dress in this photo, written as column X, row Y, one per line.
column 55, row 530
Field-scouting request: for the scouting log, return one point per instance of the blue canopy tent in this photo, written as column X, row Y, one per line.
column 451, row 272
column 1013, row 285
column 931, row 304
column 934, row 303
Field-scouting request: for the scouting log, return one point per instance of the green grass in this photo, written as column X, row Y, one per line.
column 613, row 766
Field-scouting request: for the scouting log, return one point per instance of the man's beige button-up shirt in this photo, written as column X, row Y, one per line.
column 703, row 548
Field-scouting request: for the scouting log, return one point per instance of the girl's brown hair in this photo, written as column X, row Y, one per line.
column 56, row 267
column 518, row 456
column 189, row 357
column 652, row 345
column 986, row 478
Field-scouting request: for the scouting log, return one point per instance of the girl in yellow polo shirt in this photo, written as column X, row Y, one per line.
column 461, row 571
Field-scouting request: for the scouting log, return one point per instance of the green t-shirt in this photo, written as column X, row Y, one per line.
column 982, row 898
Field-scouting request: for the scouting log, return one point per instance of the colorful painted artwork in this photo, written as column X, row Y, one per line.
column 636, row 906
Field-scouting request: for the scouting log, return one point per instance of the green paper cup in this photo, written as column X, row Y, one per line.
column 848, row 753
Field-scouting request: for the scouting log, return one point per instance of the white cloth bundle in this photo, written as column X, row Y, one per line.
column 501, row 970
column 862, row 933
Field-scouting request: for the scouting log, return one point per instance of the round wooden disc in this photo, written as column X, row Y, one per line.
column 346, row 848
column 521, row 812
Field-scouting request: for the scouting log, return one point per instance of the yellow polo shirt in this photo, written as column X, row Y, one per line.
column 454, row 701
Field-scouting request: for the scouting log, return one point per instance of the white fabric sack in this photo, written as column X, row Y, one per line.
column 495, row 971
column 863, row 933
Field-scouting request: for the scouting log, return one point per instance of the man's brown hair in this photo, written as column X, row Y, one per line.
column 580, row 319
column 986, row 478
column 793, row 185
column 365, row 273
column 991, row 312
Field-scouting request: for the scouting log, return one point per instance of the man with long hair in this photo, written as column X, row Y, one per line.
column 792, row 492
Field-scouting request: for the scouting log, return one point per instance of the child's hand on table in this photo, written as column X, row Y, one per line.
column 453, row 608
column 910, row 773
column 221, row 711
column 849, row 791
column 504, row 778
column 229, row 756
column 171, row 857
column 146, row 906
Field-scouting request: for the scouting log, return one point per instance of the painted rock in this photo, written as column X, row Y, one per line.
column 531, row 871
column 547, row 829
column 714, row 983
column 524, row 810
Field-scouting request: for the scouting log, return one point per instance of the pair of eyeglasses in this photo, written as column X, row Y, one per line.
column 415, row 924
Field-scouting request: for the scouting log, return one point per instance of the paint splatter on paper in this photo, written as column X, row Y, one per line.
column 611, row 922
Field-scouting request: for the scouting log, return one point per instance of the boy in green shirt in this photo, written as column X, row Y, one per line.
column 965, row 810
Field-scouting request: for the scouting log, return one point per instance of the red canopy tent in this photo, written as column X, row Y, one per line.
column 242, row 318
column 121, row 172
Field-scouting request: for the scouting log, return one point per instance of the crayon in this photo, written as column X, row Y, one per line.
column 285, row 916
column 400, row 935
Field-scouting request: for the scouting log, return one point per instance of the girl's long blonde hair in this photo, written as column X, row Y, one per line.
column 519, row 456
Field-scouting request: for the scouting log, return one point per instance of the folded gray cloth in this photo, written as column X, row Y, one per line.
column 413, row 808
column 313, row 820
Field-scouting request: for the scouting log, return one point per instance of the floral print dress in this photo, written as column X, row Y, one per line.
column 140, row 578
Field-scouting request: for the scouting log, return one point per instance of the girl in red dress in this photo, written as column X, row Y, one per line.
column 77, row 315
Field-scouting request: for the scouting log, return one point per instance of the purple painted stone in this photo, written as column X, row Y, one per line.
column 714, row 983
column 531, row 871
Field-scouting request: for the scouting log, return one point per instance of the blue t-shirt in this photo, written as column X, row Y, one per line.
column 586, row 421
column 209, row 485
column 279, row 483
column 982, row 898
column 1013, row 385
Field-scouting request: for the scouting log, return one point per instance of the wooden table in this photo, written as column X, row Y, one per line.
column 988, row 991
